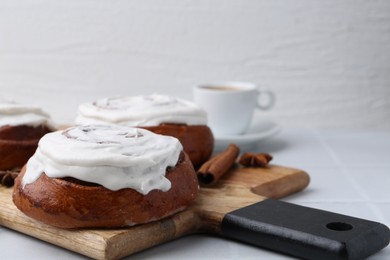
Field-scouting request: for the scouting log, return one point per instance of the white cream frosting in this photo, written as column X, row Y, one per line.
column 149, row 110
column 115, row 157
column 14, row 114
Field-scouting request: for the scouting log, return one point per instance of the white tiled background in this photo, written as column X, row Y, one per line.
column 327, row 61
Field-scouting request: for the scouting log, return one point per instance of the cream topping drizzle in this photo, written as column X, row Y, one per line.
column 14, row 114
column 149, row 110
column 115, row 157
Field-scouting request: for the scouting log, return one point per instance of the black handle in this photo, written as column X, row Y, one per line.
column 305, row 232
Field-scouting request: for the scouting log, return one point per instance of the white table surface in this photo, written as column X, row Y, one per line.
column 350, row 174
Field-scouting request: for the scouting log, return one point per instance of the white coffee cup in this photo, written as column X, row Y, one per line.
column 230, row 105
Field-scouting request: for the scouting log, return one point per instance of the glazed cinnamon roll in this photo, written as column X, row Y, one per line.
column 105, row 176
column 158, row 113
column 21, row 127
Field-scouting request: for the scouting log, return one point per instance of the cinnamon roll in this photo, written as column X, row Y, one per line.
column 161, row 114
column 105, row 176
column 21, row 127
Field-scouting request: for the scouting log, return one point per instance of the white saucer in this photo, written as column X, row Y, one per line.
column 257, row 131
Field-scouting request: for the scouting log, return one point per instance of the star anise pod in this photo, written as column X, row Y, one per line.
column 255, row 159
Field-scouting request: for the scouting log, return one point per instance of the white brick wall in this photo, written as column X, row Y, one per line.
column 327, row 61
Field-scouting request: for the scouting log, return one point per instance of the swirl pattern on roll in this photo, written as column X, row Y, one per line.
column 149, row 110
column 14, row 114
column 115, row 157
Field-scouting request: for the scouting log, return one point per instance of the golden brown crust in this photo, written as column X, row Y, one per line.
column 70, row 204
column 197, row 140
column 18, row 144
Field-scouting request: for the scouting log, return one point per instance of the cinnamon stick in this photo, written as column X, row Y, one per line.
column 212, row 170
column 7, row 177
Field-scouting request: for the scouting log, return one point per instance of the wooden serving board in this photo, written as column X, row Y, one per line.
column 238, row 207
column 239, row 188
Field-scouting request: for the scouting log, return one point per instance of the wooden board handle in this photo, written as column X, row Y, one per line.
column 305, row 232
